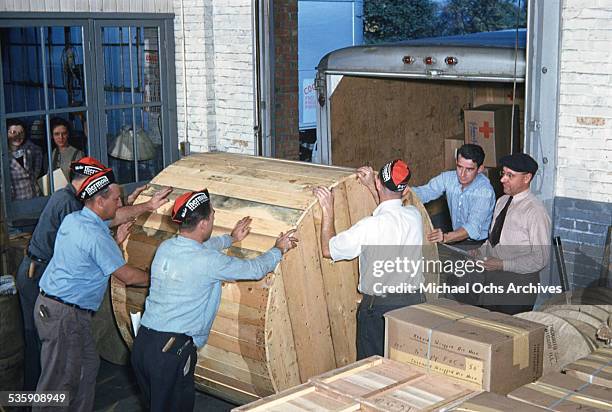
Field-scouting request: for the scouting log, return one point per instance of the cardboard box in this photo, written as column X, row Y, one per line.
column 559, row 392
column 490, row 126
column 595, row 368
column 492, row 351
column 488, row 402
column 382, row 385
column 59, row 181
column 304, row 397
column 451, row 146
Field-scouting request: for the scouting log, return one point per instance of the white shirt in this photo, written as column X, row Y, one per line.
column 390, row 224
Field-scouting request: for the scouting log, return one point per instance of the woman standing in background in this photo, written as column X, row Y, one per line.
column 26, row 162
column 64, row 153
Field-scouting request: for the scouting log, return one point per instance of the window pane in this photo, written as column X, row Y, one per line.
column 124, row 146
column 64, row 59
column 115, row 47
column 22, row 69
column 145, row 66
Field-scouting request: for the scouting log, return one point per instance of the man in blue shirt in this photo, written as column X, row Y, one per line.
column 72, row 288
column 186, row 277
column 469, row 194
column 40, row 250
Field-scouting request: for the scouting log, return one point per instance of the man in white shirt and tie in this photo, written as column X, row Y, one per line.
column 519, row 241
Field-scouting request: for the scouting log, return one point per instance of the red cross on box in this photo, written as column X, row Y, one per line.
column 486, row 130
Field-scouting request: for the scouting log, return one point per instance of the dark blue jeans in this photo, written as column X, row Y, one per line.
column 371, row 322
column 165, row 378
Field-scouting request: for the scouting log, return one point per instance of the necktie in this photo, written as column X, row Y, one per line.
column 499, row 224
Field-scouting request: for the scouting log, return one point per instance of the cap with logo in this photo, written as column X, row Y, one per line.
column 189, row 202
column 95, row 184
column 86, row 166
column 395, row 175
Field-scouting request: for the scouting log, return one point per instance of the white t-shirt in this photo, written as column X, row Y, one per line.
column 390, row 224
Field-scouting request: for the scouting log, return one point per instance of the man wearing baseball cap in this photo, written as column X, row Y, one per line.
column 391, row 224
column 518, row 247
column 186, row 278
column 40, row 251
column 72, row 288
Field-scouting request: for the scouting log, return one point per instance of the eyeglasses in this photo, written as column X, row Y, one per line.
column 510, row 175
column 15, row 132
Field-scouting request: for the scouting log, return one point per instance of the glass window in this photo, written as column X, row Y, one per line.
column 22, row 69
column 81, row 87
column 132, row 93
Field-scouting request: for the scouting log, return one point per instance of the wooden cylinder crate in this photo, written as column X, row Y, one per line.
column 298, row 321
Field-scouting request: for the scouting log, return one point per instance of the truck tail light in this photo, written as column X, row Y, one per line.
column 429, row 60
column 408, row 59
column 451, row 60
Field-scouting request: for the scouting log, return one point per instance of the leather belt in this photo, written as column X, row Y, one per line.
column 60, row 300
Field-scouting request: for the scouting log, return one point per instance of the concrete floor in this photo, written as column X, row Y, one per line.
column 117, row 391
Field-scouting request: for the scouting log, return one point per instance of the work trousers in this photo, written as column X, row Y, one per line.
column 69, row 360
column 28, row 292
column 371, row 322
column 165, row 370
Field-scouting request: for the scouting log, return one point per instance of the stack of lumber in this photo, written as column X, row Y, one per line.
column 595, row 368
column 492, row 402
column 559, row 392
column 374, row 384
column 298, row 321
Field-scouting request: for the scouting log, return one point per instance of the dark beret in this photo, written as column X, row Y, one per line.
column 520, row 162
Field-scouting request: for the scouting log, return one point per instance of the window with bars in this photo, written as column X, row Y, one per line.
column 72, row 88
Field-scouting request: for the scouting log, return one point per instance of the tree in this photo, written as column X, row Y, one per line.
column 395, row 20
column 473, row 16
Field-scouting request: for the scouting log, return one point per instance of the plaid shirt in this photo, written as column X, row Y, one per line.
column 23, row 177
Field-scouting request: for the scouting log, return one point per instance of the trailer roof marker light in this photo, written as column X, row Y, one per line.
column 408, row 59
column 451, row 60
column 429, row 60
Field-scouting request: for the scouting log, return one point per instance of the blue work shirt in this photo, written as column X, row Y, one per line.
column 470, row 208
column 60, row 204
column 186, row 279
column 84, row 257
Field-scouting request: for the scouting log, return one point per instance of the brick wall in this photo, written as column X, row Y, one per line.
column 287, row 140
column 583, row 208
column 219, row 64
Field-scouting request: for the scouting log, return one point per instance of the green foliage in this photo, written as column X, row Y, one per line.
column 473, row 16
column 396, row 20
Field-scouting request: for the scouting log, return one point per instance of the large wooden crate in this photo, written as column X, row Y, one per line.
column 297, row 322
column 374, row 384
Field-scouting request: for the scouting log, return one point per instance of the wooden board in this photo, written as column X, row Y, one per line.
column 382, row 385
column 303, row 398
column 595, row 368
column 406, row 119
